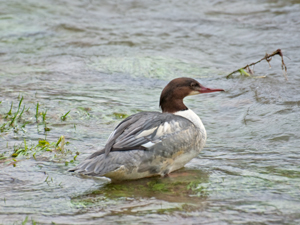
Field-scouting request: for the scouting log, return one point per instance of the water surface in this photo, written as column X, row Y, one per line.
column 103, row 60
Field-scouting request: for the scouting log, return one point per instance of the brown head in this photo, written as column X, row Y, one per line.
column 171, row 98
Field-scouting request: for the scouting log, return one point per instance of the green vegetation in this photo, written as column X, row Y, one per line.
column 13, row 120
column 37, row 112
column 181, row 186
column 15, row 123
column 64, row 117
column 42, row 146
column 25, row 221
column 183, row 190
column 120, row 115
column 24, row 150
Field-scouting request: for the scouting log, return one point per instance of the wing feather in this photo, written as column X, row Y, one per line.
column 138, row 130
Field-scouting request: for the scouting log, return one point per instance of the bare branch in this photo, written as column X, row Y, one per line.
column 268, row 58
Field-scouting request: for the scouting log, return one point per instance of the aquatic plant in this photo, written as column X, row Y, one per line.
column 16, row 122
column 64, row 117
column 34, row 150
column 16, row 114
column 37, row 112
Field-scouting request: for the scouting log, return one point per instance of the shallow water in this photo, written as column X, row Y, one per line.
column 103, row 60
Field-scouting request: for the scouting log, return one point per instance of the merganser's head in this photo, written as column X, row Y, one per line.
column 171, row 98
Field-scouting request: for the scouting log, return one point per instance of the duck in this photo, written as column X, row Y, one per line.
column 150, row 143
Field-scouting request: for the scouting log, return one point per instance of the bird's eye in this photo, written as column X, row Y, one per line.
column 193, row 85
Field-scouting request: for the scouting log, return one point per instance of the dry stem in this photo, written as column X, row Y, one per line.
column 268, row 58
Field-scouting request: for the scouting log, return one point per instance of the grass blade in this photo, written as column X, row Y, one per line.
column 37, row 112
column 63, row 118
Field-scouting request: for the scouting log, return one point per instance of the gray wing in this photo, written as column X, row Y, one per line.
column 143, row 130
column 137, row 132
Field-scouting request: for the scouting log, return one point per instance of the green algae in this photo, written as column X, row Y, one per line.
column 120, row 115
column 182, row 186
column 282, row 172
column 182, row 191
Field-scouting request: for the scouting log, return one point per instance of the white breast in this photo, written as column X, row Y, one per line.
column 190, row 115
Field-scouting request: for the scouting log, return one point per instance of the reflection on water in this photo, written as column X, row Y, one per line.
column 108, row 59
column 177, row 187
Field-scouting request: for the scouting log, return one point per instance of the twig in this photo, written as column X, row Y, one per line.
column 268, row 58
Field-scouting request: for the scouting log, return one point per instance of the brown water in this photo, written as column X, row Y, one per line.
column 102, row 60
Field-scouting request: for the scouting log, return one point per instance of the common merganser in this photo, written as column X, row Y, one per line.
column 152, row 143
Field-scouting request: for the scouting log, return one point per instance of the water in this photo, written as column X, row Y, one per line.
column 102, row 60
